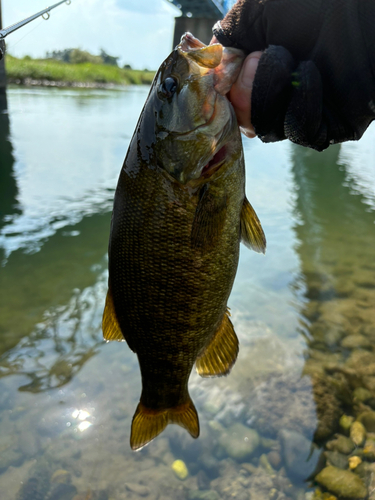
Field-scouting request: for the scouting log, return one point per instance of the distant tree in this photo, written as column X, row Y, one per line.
column 60, row 55
column 78, row 56
column 127, row 66
column 107, row 59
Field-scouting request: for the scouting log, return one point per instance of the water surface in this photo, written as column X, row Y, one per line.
column 304, row 314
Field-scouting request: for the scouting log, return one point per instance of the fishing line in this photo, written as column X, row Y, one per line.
column 10, row 46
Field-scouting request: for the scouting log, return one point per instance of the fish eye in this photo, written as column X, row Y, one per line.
column 168, row 87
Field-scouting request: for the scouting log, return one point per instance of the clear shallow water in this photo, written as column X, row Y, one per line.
column 304, row 315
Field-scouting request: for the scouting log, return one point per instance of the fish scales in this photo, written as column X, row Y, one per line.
column 162, row 286
column 179, row 214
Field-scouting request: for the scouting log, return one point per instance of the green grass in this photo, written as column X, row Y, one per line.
column 47, row 69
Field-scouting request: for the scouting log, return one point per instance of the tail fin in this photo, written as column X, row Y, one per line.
column 148, row 423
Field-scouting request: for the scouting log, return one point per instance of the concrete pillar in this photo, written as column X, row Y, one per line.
column 200, row 27
column 2, row 75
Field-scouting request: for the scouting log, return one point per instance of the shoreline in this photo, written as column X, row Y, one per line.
column 30, row 82
column 51, row 73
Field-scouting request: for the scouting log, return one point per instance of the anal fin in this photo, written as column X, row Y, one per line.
column 252, row 234
column 221, row 353
column 147, row 423
column 110, row 326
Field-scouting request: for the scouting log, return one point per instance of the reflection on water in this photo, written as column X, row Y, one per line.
column 304, row 315
column 8, row 187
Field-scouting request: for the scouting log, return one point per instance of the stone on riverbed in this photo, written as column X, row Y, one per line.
column 203, row 495
column 357, row 433
column 345, row 423
column 337, row 459
column 239, row 442
column 342, row 482
column 355, row 341
column 368, row 420
column 301, row 457
column 341, row 444
column 361, row 394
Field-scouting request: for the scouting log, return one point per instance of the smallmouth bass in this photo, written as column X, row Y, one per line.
column 179, row 214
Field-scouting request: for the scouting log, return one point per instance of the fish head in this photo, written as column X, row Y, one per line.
column 192, row 118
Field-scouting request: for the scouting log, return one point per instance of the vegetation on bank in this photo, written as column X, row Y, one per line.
column 53, row 70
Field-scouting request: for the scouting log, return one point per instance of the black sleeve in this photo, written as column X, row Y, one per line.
column 315, row 82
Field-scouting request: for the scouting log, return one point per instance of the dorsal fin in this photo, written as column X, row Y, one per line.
column 221, row 353
column 252, row 234
column 148, row 423
column 110, row 326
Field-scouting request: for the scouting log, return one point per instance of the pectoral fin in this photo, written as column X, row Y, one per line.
column 221, row 353
column 148, row 423
column 208, row 220
column 111, row 328
column 252, row 234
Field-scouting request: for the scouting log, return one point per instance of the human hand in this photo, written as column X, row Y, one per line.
column 315, row 81
column 240, row 93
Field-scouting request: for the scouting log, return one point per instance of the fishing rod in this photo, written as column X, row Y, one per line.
column 6, row 31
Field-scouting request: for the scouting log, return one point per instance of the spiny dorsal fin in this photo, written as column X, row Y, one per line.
column 111, row 328
column 208, row 220
column 148, row 424
column 221, row 353
column 252, row 234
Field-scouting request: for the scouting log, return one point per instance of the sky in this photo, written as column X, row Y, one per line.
column 140, row 32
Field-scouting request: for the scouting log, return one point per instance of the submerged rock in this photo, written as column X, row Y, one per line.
column 337, row 459
column 357, row 433
column 345, row 423
column 369, row 448
column 284, row 402
column 301, row 457
column 61, row 491
column 274, row 458
column 239, row 442
column 180, row 469
column 342, row 444
column 362, row 395
column 354, row 462
column 342, row 482
column 263, row 461
column 203, row 481
column 10, row 457
column 355, row 341
column 30, row 491
column 61, row 476
column 203, row 495
column 138, row 489
column 36, row 487
column 368, row 420
column 305, row 405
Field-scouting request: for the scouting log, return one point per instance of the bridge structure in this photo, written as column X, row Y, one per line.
column 2, row 75
column 198, row 17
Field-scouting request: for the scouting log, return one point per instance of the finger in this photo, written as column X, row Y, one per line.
column 214, row 40
column 240, row 93
column 271, row 93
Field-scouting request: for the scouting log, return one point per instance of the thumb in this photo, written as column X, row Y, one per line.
column 240, row 93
